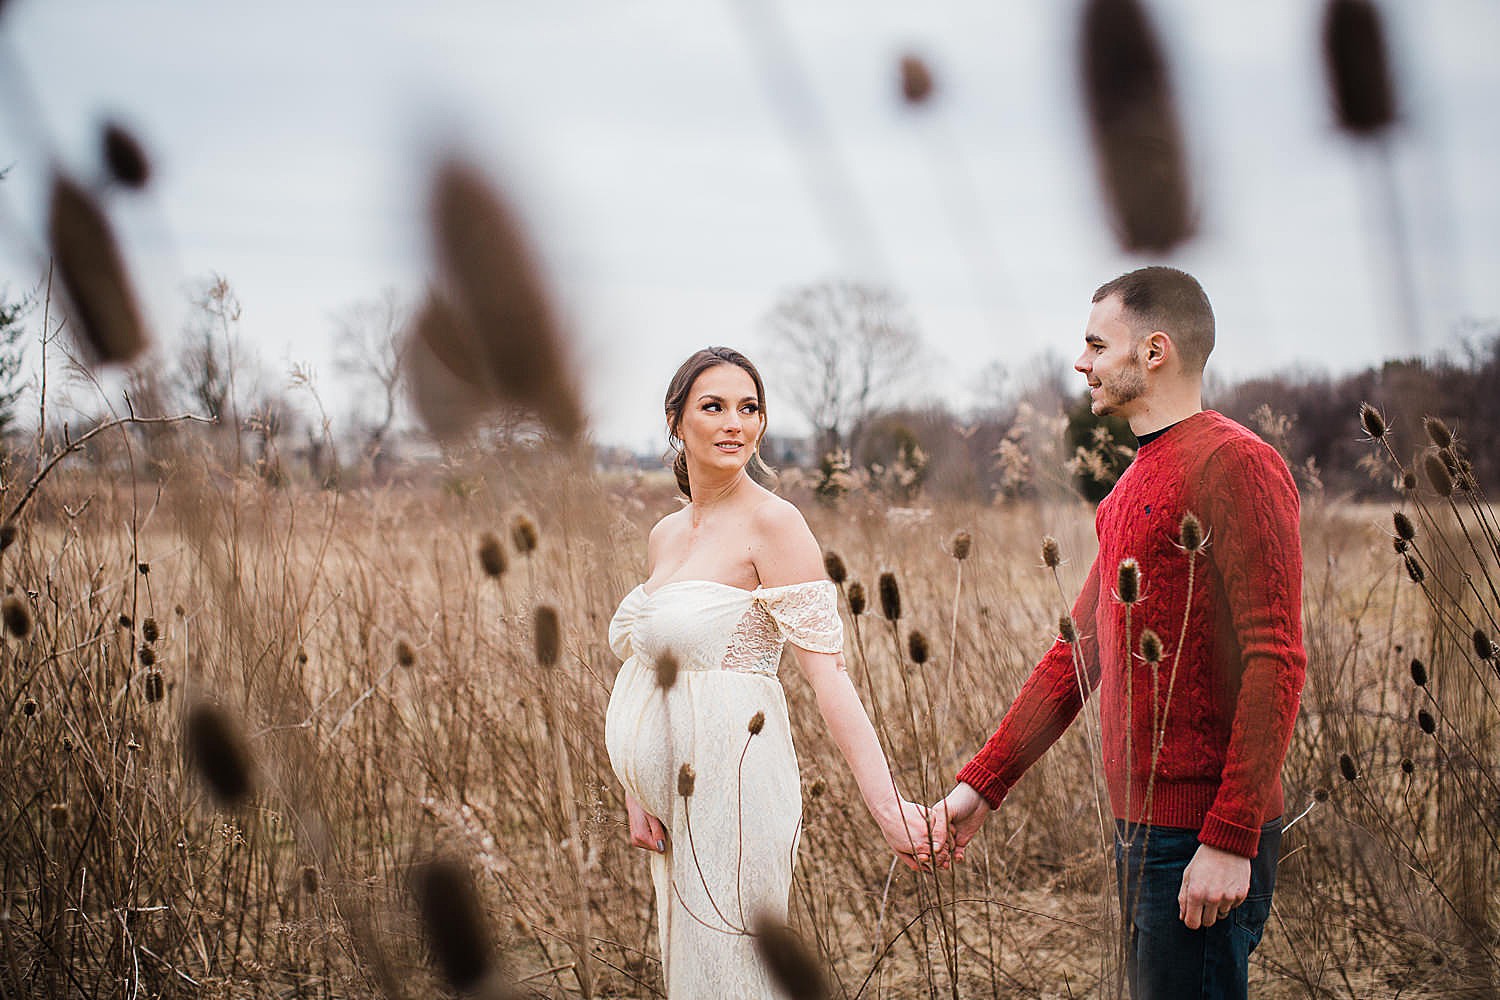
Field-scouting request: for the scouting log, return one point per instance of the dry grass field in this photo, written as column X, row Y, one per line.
column 288, row 742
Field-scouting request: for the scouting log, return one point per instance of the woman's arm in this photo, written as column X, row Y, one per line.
column 785, row 552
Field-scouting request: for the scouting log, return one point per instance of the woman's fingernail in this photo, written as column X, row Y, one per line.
column 661, row 845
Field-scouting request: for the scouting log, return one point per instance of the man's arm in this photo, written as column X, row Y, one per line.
column 1253, row 513
column 1045, row 707
column 1257, row 549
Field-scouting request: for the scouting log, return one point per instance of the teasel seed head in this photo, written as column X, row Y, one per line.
column 757, row 723
column 29, row 708
column 491, row 554
column 1190, row 532
column 1400, row 545
column 916, row 647
column 833, row 565
column 59, row 815
column 1051, row 553
column 890, row 597
column 453, row 921
column 125, row 621
column 1372, row 420
column 1405, row 530
column 1065, row 630
column 1128, row 583
column 1408, row 481
column 1347, row 768
column 1418, row 673
column 1438, row 476
column 1407, row 765
column 1320, row 794
column 108, row 323
column 548, row 635
column 916, row 80
column 406, row 656
column 960, row 546
column 791, row 965
column 155, row 688
column 500, row 294
column 523, row 535
column 686, row 778
column 7, row 535
column 301, row 657
column 143, row 568
column 1133, row 123
column 1414, row 569
column 147, row 656
column 856, row 597
column 310, row 880
column 1483, row 648
column 124, row 157
column 16, row 614
column 1354, row 56
column 214, row 747
column 666, row 671
column 1437, row 432
column 1427, row 723
column 817, row 789
column 149, row 630
column 1150, row 646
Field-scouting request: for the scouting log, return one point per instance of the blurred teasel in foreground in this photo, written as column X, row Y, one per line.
column 106, row 318
column 1133, row 124
column 1358, row 67
column 493, row 311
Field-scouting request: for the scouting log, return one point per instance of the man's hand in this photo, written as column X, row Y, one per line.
column 966, row 810
column 1214, row 883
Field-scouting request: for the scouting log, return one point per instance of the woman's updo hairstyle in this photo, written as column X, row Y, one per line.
column 677, row 396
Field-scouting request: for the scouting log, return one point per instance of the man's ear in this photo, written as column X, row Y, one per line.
column 1157, row 349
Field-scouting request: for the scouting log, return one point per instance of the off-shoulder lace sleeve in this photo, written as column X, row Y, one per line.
column 623, row 623
column 806, row 614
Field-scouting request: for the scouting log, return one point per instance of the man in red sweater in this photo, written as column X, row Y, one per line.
column 1189, row 632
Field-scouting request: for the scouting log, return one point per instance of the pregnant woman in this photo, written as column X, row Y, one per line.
column 697, row 727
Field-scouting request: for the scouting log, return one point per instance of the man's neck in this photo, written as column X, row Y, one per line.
column 1162, row 410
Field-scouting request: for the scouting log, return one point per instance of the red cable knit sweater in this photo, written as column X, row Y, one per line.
column 1213, row 720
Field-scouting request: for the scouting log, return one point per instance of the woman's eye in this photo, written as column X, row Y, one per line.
column 711, row 407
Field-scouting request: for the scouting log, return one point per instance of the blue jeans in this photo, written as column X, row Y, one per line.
column 1164, row 960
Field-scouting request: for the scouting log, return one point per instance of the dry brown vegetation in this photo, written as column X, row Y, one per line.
column 385, row 693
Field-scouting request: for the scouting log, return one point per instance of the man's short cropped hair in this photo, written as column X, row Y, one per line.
column 1169, row 300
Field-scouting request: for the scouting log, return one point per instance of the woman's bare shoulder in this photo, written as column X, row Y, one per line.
column 783, row 547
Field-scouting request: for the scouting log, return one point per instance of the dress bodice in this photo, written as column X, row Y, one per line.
column 713, row 626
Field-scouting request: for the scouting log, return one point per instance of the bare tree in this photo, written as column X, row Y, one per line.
column 368, row 350
column 215, row 373
column 842, row 349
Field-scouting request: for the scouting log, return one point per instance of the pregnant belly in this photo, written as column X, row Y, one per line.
column 638, row 733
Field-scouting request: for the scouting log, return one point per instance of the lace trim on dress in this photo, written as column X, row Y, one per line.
column 804, row 613
column 807, row 614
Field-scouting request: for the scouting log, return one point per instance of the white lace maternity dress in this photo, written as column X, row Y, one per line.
column 734, row 840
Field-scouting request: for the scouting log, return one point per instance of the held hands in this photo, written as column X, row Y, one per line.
column 917, row 835
column 1214, row 883
column 646, row 831
column 963, row 812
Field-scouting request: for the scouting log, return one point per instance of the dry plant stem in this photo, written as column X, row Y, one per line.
column 1159, row 734
column 71, row 445
column 569, row 800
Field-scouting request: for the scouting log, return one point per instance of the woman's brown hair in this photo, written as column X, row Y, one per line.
column 677, row 394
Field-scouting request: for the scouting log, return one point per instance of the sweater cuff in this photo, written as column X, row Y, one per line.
column 1226, row 836
column 991, row 787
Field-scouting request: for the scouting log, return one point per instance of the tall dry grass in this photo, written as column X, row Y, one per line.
column 409, row 744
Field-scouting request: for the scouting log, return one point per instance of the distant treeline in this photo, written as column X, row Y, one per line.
column 1044, row 443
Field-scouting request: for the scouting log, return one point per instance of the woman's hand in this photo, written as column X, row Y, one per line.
column 646, row 831
column 917, row 835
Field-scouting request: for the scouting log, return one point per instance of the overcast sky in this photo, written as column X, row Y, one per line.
column 647, row 143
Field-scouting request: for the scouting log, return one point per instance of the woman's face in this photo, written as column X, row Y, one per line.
column 721, row 419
